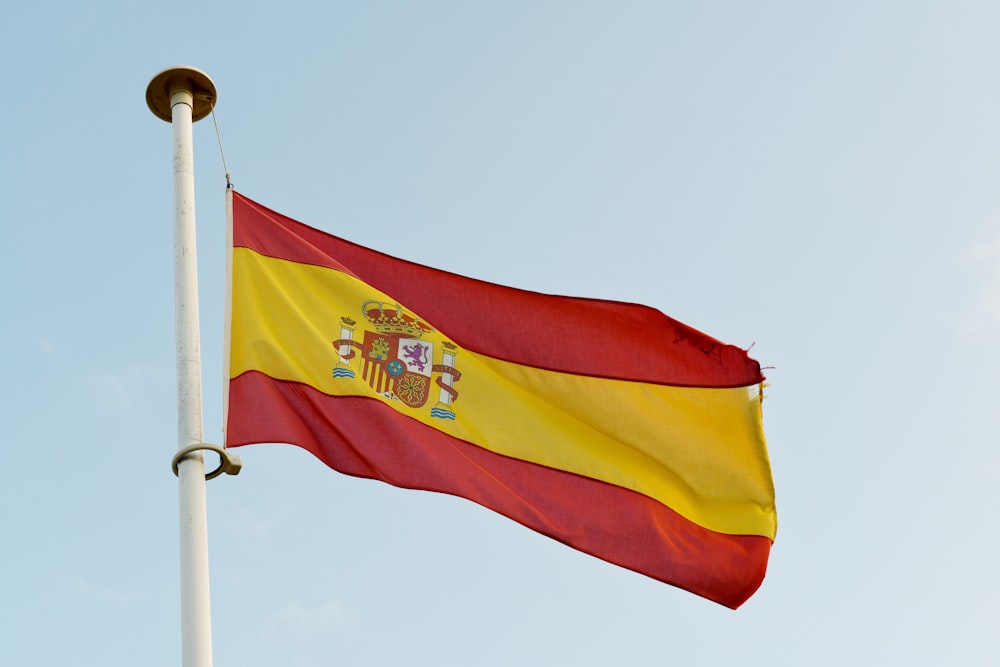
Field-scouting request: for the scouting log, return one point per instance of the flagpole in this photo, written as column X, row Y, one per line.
column 181, row 96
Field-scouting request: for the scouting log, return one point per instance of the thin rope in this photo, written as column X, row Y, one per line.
column 229, row 183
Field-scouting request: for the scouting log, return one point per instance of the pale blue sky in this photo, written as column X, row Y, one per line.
column 818, row 180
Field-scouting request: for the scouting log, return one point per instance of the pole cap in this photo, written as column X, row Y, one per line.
column 169, row 81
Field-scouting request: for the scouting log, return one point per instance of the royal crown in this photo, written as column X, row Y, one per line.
column 392, row 319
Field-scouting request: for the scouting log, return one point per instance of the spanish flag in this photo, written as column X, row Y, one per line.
column 607, row 426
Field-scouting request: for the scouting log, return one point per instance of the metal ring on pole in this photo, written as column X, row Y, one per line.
column 229, row 464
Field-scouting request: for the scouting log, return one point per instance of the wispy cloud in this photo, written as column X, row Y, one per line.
column 987, row 257
column 296, row 635
column 101, row 593
column 46, row 349
column 296, row 621
column 253, row 531
column 126, row 391
column 251, row 524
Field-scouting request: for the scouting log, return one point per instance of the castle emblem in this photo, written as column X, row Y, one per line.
column 396, row 361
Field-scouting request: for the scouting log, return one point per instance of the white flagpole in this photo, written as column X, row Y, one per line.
column 181, row 96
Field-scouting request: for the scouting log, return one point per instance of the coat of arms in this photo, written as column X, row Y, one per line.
column 395, row 360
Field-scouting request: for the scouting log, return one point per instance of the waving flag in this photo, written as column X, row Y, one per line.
column 607, row 426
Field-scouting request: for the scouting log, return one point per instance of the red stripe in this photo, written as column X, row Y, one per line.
column 583, row 336
column 612, row 523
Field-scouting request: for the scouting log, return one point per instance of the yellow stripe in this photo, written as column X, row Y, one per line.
column 699, row 451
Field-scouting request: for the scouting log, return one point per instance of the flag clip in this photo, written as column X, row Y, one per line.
column 229, row 464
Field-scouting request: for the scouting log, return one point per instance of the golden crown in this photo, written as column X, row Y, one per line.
column 392, row 319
